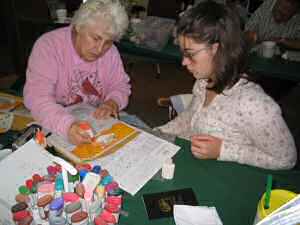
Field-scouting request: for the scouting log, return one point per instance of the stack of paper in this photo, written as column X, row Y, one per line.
column 288, row 214
column 134, row 164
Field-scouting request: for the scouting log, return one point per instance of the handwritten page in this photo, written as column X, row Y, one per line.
column 19, row 166
column 138, row 161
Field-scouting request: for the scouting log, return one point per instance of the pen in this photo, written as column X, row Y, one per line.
column 268, row 192
column 116, row 115
column 15, row 106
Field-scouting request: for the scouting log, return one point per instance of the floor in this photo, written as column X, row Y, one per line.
column 147, row 88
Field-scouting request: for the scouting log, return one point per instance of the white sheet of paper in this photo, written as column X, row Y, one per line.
column 196, row 215
column 287, row 214
column 16, row 168
column 138, row 161
column 133, row 165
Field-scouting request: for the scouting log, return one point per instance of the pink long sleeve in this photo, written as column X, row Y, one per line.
column 56, row 77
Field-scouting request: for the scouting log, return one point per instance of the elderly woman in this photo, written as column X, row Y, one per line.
column 230, row 118
column 77, row 64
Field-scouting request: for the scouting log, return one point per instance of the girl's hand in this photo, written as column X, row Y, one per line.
column 206, row 146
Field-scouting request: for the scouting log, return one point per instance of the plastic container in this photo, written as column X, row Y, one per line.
column 152, row 32
column 80, row 218
column 278, row 198
column 43, row 206
column 268, row 49
column 71, row 209
column 19, row 207
column 56, row 207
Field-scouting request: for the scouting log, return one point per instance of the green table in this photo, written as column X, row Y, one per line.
column 170, row 53
column 232, row 188
column 275, row 67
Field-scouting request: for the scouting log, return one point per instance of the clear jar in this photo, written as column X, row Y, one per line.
column 80, row 218
column 56, row 207
column 57, row 220
column 43, row 206
column 71, row 209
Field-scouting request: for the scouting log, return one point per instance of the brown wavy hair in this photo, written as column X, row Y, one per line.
column 210, row 22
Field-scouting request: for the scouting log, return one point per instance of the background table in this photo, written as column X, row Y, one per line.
column 232, row 188
column 275, row 67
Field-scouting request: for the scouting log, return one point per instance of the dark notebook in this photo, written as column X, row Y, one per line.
column 159, row 205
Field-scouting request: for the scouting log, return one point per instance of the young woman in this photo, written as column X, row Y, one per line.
column 230, row 118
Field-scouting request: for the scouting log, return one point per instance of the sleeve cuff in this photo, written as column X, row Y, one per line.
column 227, row 152
column 65, row 128
column 117, row 100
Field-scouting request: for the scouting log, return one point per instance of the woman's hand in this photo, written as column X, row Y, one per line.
column 206, row 146
column 107, row 109
column 78, row 136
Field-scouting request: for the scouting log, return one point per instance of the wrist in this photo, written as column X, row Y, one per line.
column 112, row 105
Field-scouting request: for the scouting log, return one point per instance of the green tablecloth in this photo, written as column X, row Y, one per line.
column 276, row 67
column 232, row 188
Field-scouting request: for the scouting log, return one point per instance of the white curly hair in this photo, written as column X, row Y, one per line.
column 111, row 12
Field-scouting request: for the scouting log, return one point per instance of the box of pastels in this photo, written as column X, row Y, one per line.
column 90, row 197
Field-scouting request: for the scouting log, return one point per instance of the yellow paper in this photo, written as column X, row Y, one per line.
column 122, row 135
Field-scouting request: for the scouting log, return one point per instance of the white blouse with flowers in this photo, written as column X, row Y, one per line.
column 247, row 120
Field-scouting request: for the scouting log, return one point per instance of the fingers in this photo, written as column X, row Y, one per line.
column 199, row 155
column 105, row 111
column 76, row 135
column 199, row 151
column 206, row 146
column 102, row 113
column 202, row 137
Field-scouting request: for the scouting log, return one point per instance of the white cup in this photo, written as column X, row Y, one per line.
column 61, row 15
column 268, row 49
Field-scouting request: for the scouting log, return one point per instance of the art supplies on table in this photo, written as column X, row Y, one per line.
column 135, row 162
column 107, row 135
column 6, row 121
column 7, row 103
column 15, row 169
column 45, row 189
column 106, row 141
column 13, row 105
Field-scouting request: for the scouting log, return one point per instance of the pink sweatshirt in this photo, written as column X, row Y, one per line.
column 57, row 77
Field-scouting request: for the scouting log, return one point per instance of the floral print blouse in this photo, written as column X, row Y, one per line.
column 247, row 120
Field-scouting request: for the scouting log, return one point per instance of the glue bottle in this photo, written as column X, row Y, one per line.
column 86, row 128
column 59, row 186
column 168, row 169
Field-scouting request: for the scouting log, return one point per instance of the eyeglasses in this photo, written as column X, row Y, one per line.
column 191, row 55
